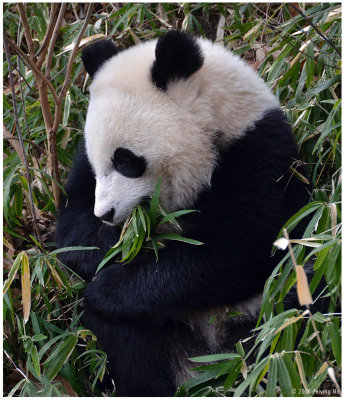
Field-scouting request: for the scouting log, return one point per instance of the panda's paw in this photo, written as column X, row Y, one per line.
column 113, row 292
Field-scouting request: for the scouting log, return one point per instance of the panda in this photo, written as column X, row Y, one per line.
column 189, row 111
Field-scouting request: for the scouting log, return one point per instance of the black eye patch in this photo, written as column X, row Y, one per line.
column 128, row 164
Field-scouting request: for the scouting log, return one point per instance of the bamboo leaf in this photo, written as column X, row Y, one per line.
column 26, row 287
column 244, row 369
column 55, row 275
column 35, row 360
column 72, row 248
column 67, row 109
column 142, row 217
column 284, row 378
column 303, row 291
column 302, row 213
column 271, row 388
column 236, row 368
column 336, row 341
column 39, row 337
column 333, row 209
column 59, row 356
column 259, row 368
column 306, row 243
column 47, row 346
column 135, row 225
column 127, row 241
column 319, row 377
column 83, row 42
column 319, row 87
column 11, row 275
column 38, row 270
column 301, row 372
column 240, row 349
column 291, row 321
column 252, row 31
column 154, row 203
column 323, row 368
column 310, row 62
column 215, row 357
column 294, row 376
column 175, row 236
column 138, row 246
column 17, row 386
column 175, row 215
column 155, row 247
column 108, row 258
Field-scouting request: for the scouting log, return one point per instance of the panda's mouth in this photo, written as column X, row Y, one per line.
column 119, row 218
column 109, row 223
column 144, row 199
column 113, row 219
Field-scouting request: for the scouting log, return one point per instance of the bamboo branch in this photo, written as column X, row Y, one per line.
column 54, row 37
column 31, row 64
column 7, row 135
column 19, row 370
column 26, row 164
column 27, row 32
column 52, row 146
column 74, row 52
column 42, row 52
column 316, row 28
column 18, row 149
column 43, row 82
column 21, row 75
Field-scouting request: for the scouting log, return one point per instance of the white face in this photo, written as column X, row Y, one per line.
column 133, row 140
column 172, row 131
column 119, row 193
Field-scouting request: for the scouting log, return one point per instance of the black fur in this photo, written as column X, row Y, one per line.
column 128, row 164
column 141, row 312
column 178, row 56
column 96, row 54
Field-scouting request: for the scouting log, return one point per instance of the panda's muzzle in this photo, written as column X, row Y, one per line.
column 108, row 216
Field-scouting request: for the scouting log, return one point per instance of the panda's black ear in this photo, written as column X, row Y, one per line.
column 95, row 55
column 178, row 56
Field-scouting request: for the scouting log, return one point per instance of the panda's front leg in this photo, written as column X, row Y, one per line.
column 137, row 354
column 184, row 278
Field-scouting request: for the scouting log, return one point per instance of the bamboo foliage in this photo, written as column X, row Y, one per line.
column 39, row 61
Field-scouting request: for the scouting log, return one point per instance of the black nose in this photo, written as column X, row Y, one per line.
column 109, row 216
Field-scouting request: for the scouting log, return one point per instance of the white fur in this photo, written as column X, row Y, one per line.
column 215, row 334
column 174, row 131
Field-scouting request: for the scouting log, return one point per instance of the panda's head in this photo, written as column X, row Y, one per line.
column 165, row 108
column 140, row 124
